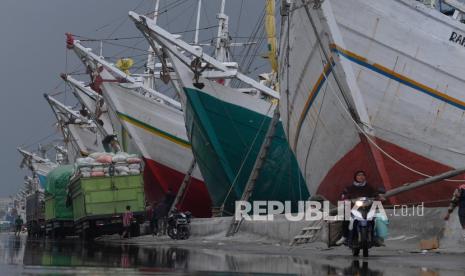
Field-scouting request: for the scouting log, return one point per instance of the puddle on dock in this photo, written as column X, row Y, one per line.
column 18, row 255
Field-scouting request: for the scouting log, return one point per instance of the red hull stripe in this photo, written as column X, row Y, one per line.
column 360, row 158
column 159, row 178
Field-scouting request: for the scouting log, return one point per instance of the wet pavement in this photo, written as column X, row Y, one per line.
column 19, row 255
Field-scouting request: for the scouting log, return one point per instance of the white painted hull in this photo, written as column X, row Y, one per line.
column 324, row 133
column 404, row 115
column 95, row 104
column 84, row 140
column 91, row 101
column 163, row 138
column 397, row 66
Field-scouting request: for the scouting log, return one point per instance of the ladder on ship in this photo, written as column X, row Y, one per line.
column 255, row 173
column 184, row 185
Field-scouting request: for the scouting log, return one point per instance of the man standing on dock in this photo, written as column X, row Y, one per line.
column 164, row 210
column 458, row 199
column 19, row 224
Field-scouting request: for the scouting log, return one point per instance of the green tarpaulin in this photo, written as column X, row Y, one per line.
column 56, row 191
column 58, row 180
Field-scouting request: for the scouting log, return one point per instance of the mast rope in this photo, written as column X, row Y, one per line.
column 166, row 8
column 238, row 25
column 40, row 140
column 126, row 19
column 244, row 64
column 84, row 38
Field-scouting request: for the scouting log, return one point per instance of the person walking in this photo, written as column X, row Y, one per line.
column 458, row 200
column 154, row 219
column 149, row 214
column 127, row 220
column 19, row 225
column 164, row 209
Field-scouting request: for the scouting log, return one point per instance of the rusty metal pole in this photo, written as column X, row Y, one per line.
column 423, row 182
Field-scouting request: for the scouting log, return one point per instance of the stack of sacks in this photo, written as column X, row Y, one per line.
column 99, row 163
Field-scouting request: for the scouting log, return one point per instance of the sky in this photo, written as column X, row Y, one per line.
column 33, row 54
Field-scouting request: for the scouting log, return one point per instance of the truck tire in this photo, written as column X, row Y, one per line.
column 172, row 233
column 89, row 234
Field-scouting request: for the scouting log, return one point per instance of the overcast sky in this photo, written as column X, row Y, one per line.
column 33, row 54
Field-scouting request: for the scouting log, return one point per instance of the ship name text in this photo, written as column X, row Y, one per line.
column 457, row 38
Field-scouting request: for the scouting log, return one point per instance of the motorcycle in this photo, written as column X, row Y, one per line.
column 362, row 227
column 179, row 225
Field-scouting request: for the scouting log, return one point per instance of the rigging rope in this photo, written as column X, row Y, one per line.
column 40, row 140
column 84, row 38
column 126, row 19
column 166, row 8
column 244, row 64
column 238, row 25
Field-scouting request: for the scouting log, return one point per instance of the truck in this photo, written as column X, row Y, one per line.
column 35, row 214
column 100, row 201
column 58, row 212
column 5, row 226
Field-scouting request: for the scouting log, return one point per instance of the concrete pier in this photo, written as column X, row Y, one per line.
column 413, row 227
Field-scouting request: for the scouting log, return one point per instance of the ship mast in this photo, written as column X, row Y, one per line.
column 197, row 24
column 150, row 67
column 222, row 38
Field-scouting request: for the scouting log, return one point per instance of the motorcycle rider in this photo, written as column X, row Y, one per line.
column 358, row 188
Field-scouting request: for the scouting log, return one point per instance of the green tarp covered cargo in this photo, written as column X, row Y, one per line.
column 56, row 194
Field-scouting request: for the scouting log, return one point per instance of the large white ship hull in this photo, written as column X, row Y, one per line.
column 399, row 70
column 159, row 132
column 226, row 128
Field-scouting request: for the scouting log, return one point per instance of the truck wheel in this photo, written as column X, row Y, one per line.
column 89, row 234
column 172, row 233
